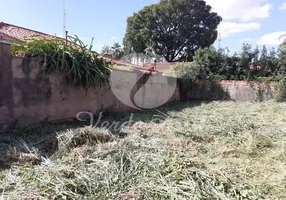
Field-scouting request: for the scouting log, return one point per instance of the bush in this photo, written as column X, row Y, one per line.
column 187, row 73
column 280, row 90
column 184, row 70
column 250, row 64
column 210, row 62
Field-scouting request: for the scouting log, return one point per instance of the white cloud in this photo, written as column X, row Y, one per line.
column 105, row 34
column 283, row 6
column 242, row 10
column 230, row 28
column 114, row 38
column 275, row 38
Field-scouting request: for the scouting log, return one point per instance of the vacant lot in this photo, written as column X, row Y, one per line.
column 206, row 151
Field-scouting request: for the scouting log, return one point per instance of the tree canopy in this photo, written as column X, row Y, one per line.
column 282, row 54
column 115, row 51
column 174, row 29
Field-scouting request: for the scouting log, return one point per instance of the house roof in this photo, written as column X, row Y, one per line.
column 17, row 33
column 4, row 36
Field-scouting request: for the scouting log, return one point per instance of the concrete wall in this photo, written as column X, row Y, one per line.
column 38, row 98
column 6, row 87
column 232, row 90
column 27, row 97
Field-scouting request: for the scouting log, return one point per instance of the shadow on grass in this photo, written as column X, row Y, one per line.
column 43, row 137
column 24, row 140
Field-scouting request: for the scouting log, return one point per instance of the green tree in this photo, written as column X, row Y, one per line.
column 210, row 61
column 106, row 51
column 256, row 56
column 282, row 57
column 271, row 61
column 174, row 29
column 115, row 51
column 263, row 59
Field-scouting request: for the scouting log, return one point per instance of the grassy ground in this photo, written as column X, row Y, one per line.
column 202, row 151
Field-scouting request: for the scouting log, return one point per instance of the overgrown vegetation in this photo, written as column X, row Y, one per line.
column 188, row 72
column 186, row 151
column 280, row 90
column 184, row 70
column 75, row 61
column 250, row 65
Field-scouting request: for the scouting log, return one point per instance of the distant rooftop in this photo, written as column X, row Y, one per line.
column 15, row 33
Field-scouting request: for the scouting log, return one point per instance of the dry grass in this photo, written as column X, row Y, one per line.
column 208, row 151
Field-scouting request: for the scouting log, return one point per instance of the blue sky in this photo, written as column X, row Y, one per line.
column 257, row 22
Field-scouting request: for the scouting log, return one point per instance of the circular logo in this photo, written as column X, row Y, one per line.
column 141, row 89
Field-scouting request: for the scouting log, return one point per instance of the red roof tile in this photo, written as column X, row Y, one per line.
column 4, row 36
column 16, row 33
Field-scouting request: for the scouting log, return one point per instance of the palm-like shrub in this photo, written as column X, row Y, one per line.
column 76, row 61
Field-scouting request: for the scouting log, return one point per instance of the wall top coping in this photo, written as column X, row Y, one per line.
column 5, row 42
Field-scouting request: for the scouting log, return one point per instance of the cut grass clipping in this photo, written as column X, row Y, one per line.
column 201, row 151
